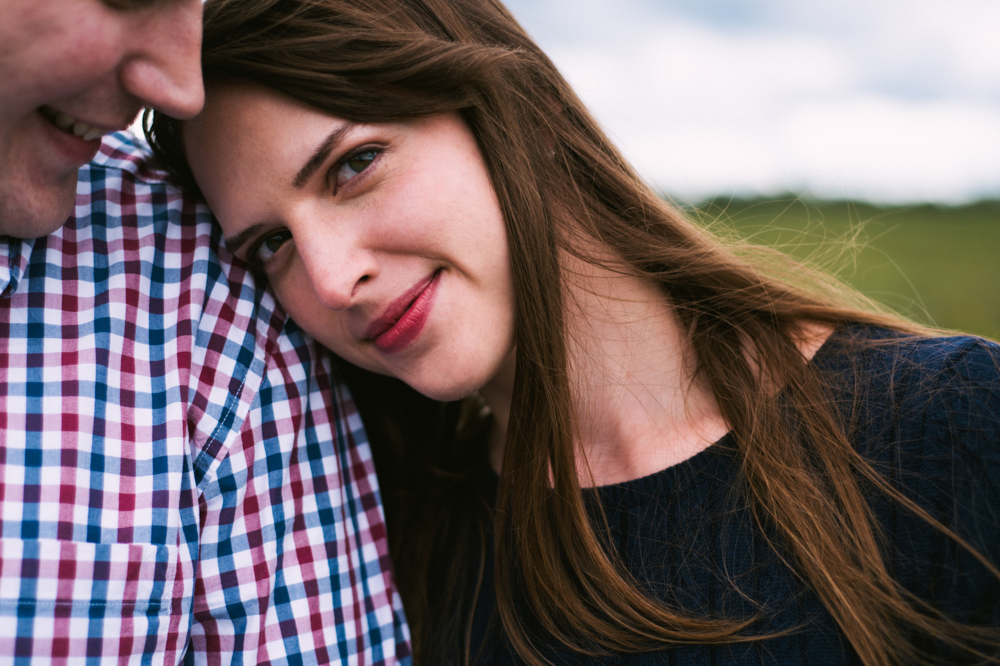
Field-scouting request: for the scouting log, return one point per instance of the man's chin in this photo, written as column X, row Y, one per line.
column 36, row 213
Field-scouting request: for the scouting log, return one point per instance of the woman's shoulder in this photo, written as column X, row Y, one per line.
column 973, row 358
column 916, row 366
column 925, row 411
column 926, row 395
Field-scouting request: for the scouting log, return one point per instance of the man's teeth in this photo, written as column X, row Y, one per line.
column 68, row 123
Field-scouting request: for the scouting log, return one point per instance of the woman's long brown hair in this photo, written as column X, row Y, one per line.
column 551, row 165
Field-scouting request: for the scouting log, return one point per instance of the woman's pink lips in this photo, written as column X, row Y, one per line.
column 405, row 317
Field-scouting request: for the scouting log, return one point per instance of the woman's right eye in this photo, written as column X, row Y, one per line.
column 354, row 165
column 268, row 246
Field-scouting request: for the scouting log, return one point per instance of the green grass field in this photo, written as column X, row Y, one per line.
column 937, row 265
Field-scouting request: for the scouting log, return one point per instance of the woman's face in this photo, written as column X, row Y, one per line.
column 384, row 241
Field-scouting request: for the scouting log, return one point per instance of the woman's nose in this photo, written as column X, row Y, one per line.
column 337, row 266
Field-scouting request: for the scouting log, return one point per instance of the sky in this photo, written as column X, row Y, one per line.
column 894, row 101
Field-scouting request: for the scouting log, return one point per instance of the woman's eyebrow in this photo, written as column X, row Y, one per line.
column 318, row 157
column 236, row 241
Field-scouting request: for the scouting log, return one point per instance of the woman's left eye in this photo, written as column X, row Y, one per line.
column 267, row 246
column 354, row 165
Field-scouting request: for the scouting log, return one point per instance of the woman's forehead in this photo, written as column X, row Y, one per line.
column 247, row 122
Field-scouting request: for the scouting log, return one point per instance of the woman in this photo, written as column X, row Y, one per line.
column 660, row 452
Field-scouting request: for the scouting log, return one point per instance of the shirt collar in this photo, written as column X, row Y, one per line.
column 14, row 255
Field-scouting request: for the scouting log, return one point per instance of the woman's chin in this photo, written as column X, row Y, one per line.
column 445, row 391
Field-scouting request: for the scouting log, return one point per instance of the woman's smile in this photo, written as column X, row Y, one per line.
column 405, row 317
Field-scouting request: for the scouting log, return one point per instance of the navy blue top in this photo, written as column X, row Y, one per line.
column 928, row 417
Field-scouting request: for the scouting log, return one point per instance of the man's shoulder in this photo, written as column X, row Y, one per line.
column 126, row 206
column 121, row 193
column 141, row 271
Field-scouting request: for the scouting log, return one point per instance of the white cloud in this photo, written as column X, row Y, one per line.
column 883, row 148
column 891, row 100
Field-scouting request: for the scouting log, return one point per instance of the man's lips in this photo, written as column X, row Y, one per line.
column 402, row 319
column 81, row 129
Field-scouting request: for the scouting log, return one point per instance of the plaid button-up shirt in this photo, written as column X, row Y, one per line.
column 181, row 474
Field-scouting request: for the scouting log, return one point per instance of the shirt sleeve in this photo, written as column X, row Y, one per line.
column 293, row 563
column 961, row 479
column 945, row 430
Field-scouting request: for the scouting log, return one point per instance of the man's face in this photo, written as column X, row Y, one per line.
column 72, row 71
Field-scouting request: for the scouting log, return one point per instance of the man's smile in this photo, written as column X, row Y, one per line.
column 71, row 125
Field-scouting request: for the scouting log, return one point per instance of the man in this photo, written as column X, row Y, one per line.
column 181, row 477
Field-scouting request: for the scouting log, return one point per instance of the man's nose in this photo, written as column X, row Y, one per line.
column 164, row 68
